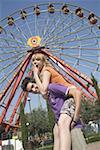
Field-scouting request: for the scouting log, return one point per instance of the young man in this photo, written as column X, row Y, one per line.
column 60, row 104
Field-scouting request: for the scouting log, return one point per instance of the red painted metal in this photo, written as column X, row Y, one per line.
column 78, row 77
column 14, row 77
column 16, row 84
column 84, row 77
column 64, row 66
column 23, row 94
column 24, row 102
column 14, row 111
column 11, row 125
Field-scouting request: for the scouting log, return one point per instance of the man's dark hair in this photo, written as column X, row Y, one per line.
column 25, row 81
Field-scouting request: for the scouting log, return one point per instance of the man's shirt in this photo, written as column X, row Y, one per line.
column 56, row 97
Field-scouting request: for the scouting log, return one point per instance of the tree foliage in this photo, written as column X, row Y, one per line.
column 24, row 129
column 50, row 116
column 91, row 111
column 39, row 121
column 95, row 83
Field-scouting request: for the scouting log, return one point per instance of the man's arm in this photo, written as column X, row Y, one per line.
column 57, row 90
column 77, row 98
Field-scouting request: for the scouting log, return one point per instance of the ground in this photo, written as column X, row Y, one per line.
column 94, row 146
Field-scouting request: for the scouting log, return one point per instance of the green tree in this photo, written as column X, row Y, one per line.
column 39, row 122
column 50, row 116
column 24, row 129
column 2, row 130
column 91, row 111
column 87, row 111
column 97, row 102
column 95, row 83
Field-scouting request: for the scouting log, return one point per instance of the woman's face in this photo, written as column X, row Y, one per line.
column 37, row 60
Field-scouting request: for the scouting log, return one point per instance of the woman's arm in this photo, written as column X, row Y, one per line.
column 43, row 86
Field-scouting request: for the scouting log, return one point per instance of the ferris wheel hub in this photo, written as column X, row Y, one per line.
column 34, row 41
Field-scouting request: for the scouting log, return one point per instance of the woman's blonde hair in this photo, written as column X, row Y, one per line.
column 43, row 58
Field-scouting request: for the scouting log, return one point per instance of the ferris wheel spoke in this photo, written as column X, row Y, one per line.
column 29, row 29
column 85, row 66
column 7, row 75
column 21, row 32
column 74, row 40
column 63, row 37
column 75, row 31
column 7, row 94
column 79, row 60
column 49, row 36
column 7, row 47
column 76, row 56
column 83, row 59
column 57, row 25
column 13, row 36
column 21, row 49
column 13, row 57
column 85, row 50
column 3, row 101
column 47, row 28
column 9, row 65
column 6, row 53
column 77, row 47
column 48, row 24
column 17, row 58
column 10, row 40
column 38, row 26
column 97, row 68
column 66, row 27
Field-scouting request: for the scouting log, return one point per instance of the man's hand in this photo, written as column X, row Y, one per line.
column 73, row 123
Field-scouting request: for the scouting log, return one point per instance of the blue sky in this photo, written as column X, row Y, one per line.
column 7, row 7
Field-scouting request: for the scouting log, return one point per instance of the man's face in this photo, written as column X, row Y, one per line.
column 32, row 87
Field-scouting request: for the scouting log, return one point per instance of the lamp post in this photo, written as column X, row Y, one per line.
column 29, row 100
column 29, row 144
column 27, row 125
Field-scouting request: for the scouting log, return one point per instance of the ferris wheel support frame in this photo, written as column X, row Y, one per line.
column 20, row 74
column 73, row 76
column 70, row 72
column 24, row 103
column 22, row 94
column 14, row 77
column 14, row 110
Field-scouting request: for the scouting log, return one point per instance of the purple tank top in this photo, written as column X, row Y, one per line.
column 57, row 98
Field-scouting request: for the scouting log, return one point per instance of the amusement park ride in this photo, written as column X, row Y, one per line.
column 68, row 35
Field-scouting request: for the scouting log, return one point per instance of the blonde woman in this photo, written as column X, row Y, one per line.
column 44, row 74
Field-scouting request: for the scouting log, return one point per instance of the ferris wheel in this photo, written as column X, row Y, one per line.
column 67, row 34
